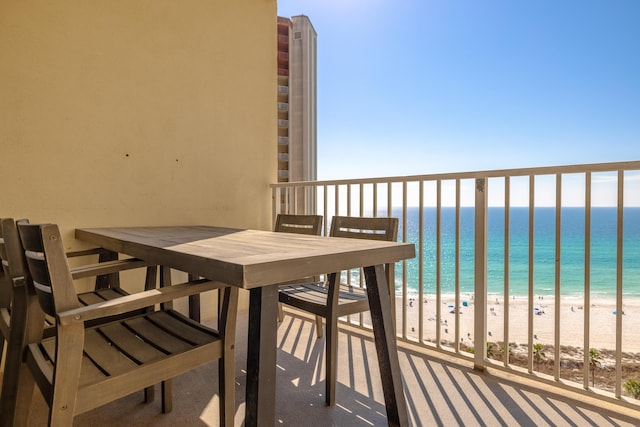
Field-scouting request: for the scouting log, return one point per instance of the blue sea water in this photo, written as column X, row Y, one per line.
column 603, row 269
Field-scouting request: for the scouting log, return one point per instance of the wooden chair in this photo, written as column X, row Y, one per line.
column 330, row 299
column 300, row 224
column 82, row 367
column 13, row 303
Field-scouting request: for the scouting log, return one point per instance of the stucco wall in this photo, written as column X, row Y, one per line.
column 119, row 112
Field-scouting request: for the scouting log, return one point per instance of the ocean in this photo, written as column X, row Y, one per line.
column 603, row 269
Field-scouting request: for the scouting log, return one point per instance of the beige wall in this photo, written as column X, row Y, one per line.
column 120, row 112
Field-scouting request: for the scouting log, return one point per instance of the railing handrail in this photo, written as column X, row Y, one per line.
column 497, row 173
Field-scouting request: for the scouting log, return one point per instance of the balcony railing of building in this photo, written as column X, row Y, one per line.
column 514, row 267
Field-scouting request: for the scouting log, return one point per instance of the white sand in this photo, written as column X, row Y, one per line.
column 602, row 321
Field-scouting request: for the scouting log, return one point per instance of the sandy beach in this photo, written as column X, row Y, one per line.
column 602, row 320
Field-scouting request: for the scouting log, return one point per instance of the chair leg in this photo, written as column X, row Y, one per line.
column 280, row 312
column 226, row 375
column 66, row 374
column 166, row 387
column 150, row 283
column 227, row 365
column 151, row 278
column 167, row 396
column 149, row 394
column 27, row 323
column 18, row 412
column 319, row 326
column 165, row 280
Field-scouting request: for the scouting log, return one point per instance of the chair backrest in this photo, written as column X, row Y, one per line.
column 365, row 228
column 48, row 271
column 300, row 224
column 384, row 228
column 12, row 258
column 6, row 291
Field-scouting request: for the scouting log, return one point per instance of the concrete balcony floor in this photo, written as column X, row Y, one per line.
column 439, row 391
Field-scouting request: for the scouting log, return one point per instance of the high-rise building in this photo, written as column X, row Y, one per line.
column 297, row 123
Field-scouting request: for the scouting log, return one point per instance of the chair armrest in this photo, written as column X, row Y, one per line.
column 87, row 252
column 108, row 267
column 136, row 301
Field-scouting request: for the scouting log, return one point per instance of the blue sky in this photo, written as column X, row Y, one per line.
column 410, row 87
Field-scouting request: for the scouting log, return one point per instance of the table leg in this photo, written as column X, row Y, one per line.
column 261, row 357
column 385, row 340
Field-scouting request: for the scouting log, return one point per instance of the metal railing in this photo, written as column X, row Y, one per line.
column 490, row 242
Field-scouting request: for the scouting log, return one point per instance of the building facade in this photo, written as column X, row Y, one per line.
column 297, row 100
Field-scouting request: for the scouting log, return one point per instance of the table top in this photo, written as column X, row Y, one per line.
column 245, row 258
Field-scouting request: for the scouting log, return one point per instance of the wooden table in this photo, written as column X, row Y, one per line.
column 253, row 260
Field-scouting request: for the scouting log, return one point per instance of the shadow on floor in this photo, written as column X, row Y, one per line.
column 438, row 391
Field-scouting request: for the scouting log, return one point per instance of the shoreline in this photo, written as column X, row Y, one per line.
column 601, row 320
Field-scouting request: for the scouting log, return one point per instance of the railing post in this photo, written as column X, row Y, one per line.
column 480, row 275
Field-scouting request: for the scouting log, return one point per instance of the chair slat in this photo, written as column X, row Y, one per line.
column 49, row 347
column 299, row 224
column 179, row 326
column 124, row 338
column 162, row 340
column 107, row 357
column 90, row 298
column 90, row 373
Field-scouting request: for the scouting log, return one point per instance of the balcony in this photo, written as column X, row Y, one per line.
column 455, row 307
column 283, row 57
column 283, row 40
column 283, row 90
column 440, row 390
column 283, row 157
column 518, row 271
